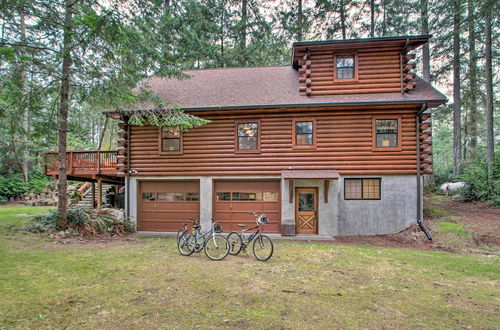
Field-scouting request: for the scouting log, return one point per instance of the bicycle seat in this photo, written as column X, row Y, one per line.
column 241, row 225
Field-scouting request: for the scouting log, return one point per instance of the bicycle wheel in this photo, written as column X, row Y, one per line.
column 217, row 247
column 179, row 234
column 235, row 242
column 184, row 246
column 263, row 248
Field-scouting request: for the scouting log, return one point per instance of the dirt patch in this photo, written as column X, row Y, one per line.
column 480, row 221
column 411, row 238
column 478, row 218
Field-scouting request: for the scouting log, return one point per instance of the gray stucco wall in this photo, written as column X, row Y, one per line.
column 396, row 210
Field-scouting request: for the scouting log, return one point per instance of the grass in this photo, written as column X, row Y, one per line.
column 453, row 228
column 144, row 283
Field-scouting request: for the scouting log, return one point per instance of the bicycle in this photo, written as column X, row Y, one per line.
column 216, row 246
column 263, row 247
column 186, row 229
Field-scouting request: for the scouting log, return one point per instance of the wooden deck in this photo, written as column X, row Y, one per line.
column 84, row 165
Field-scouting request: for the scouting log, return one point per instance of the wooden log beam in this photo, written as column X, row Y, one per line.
column 427, row 151
column 425, row 126
column 425, row 116
column 408, row 67
column 427, row 141
column 424, row 136
column 410, row 85
column 427, row 171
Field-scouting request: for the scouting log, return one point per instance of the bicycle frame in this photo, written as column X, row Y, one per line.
column 248, row 241
column 204, row 237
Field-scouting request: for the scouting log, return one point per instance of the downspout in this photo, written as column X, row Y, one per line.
column 419, row 183
column 128, row 172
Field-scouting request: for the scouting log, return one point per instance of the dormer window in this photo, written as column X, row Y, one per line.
column 345, row 67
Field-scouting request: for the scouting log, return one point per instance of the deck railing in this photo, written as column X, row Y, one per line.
column 82, row 162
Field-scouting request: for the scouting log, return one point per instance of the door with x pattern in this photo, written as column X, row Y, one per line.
column 306, row 210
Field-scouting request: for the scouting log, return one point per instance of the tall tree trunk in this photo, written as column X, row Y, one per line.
column 424, row 29
column 490, row 140
column 223, row 8
column 300, row 15
column 384, row 23
column 103, row 132
column 473, row 112
column 457, row 141
column 25, row 111
column 372, row 18
column 243, row 36
column 63, row 115
column 342, row 19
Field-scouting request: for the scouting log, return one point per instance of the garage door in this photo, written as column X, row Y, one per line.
column 233, row 200
column 166, row 205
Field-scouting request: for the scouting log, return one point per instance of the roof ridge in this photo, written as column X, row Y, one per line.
column 240, row 67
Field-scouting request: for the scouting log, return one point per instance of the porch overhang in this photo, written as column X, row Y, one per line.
column 325, row 175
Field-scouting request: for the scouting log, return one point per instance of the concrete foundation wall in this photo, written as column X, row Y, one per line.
column 395, row 211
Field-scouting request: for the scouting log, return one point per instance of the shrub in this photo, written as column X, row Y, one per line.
column 477, row 187
column 88, row 223
column 13, row 185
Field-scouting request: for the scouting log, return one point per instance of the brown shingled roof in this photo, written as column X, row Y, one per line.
column 257, row 87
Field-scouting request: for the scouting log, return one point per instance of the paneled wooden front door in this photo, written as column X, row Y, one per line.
column 306, row 210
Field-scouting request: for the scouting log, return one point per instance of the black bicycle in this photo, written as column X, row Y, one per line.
column 262, row 245
column 212, row 242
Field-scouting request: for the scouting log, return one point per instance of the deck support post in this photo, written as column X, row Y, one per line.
column 93, row 194
column 99, row 192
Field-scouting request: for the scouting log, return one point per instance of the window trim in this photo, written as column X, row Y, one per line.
column 356, row 64
column 259, row 133
column 374, row 134
column 294, row 134
column 160, row 144
column 363, row 199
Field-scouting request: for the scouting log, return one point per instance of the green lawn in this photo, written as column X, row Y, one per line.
column 144, row 283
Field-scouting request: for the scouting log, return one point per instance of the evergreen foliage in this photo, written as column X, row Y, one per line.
column 116, row 44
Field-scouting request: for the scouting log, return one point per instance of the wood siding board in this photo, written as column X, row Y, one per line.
column 343, row 142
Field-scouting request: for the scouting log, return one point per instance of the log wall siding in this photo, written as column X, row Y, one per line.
column 344, row 143
column 378, row 71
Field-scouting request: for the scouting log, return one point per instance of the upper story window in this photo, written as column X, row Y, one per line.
column 345, row 67
column 247, row 136
column 386, row 134
column 171, row 140
column 304, row 135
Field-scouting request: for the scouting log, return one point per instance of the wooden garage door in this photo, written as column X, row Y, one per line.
column 166, row 205
column 233, row 200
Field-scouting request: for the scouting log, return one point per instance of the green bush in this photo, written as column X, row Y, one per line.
column 13, row 185
column 477, row 187
column 86, row 222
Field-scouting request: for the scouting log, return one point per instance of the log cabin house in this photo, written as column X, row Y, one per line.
column 334, row 144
